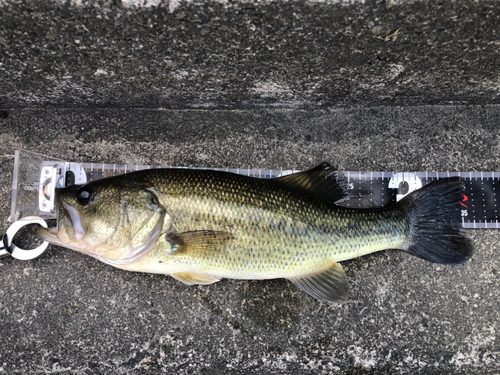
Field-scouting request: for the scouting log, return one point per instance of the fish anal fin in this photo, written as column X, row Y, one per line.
column 190, row 278
column 327, row 285
column 198, row 242
column 322, row 180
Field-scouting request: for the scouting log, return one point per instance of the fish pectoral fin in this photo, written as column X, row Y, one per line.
column 198, row 242
column 322, row 180
column 195, row 278
column 327, row 285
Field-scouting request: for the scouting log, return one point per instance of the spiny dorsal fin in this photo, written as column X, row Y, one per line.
column 322, row 180
column 191, row 278
column 197, row 242
column 327, row 285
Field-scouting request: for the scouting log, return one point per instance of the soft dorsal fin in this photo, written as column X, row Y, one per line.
column 327, row 285
column 198, row 242
column 322, row 180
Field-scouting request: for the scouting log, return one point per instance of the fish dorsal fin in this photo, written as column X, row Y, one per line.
column 322, row 180
column 191, row 278
column 327, row 285
column 198, row 242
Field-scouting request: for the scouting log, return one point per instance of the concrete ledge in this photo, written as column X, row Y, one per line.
column 209, row 54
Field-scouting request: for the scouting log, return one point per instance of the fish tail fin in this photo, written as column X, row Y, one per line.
column 436, row 233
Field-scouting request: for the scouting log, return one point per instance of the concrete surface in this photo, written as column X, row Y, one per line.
column 244, row 54
column 270, row 85
column 68, row 313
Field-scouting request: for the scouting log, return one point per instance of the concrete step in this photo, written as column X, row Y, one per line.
column 241, row 54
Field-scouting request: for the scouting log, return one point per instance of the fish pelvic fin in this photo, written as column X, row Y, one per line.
column 327, row 285
column 190, row 278
column 199, row 242
column 322, row 180
column 435, row 233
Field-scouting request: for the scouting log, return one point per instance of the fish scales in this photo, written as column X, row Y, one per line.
column 278, row 232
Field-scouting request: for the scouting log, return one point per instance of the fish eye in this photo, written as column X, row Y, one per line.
column 85, row 195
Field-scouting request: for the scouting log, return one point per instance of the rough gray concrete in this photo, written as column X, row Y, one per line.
column 251, row 84
column 68, row 313
column 243, row 54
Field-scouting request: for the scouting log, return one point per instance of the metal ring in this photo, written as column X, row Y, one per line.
column 17, row 252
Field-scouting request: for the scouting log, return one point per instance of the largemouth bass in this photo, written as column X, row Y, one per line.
column 200, row 226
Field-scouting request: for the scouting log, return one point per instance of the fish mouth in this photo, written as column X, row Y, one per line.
column 79, row 227
column 69, row 226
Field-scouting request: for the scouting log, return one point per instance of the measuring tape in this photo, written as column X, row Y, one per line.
column 479, row 208
column 367, row 189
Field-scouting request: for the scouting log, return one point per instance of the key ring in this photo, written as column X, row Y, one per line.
column 7, row 246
